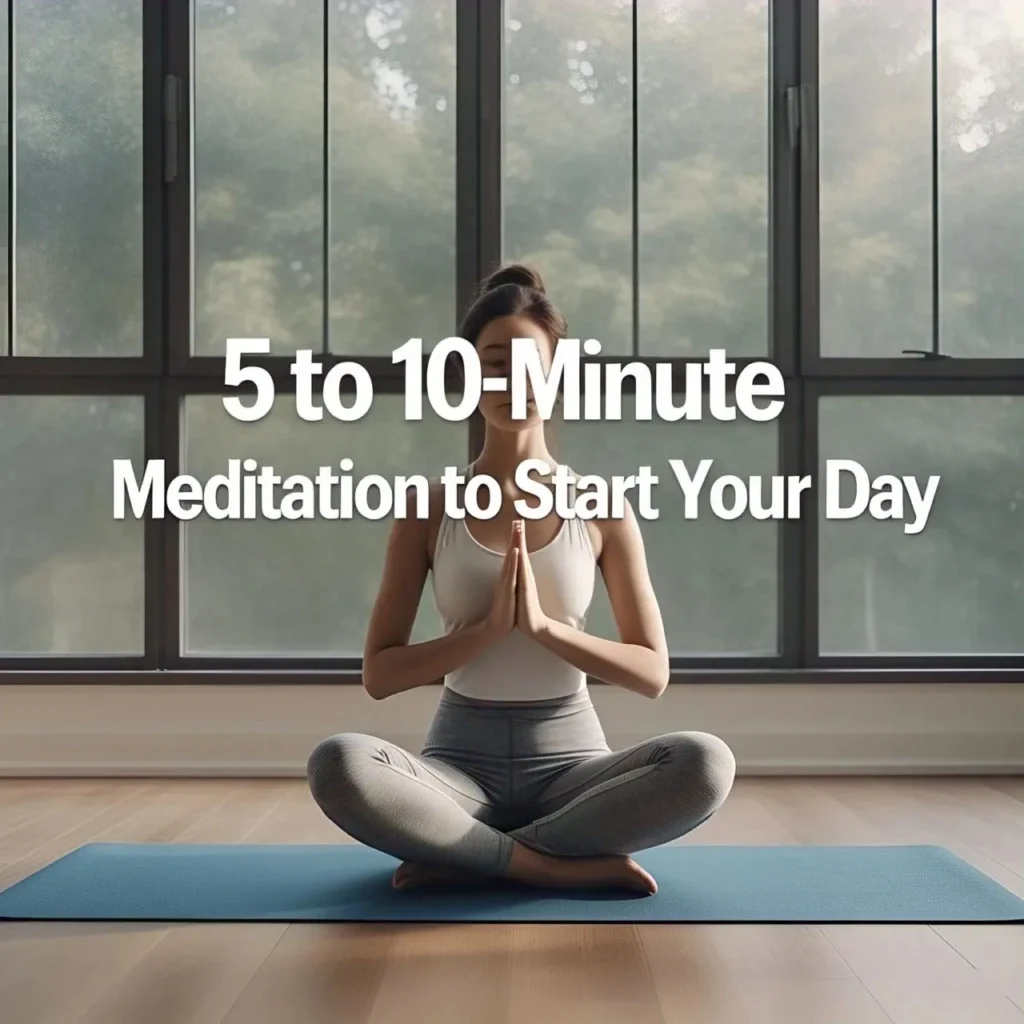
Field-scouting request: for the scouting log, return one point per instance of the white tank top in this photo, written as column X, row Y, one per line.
column 516, row 668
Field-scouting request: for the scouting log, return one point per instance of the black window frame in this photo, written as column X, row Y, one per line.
column 167, row 371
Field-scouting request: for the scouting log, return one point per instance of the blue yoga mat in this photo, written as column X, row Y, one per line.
column 177, row 882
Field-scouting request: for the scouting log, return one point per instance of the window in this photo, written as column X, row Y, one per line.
column 693, row 104
column 567, row 123
column 717, row 580
column 303, row 588
column 258, row 175
column 71, row 576
column 834, row 186
column 324, row 199
column 913, row 363
column 76, row 140
column 958, row 588
column 921, row 134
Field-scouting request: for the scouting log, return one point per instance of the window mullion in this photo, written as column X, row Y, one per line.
column 178, row 254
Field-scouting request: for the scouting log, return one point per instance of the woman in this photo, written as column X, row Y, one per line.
column 516, row 779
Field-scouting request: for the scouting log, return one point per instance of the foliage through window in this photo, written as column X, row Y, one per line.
column 836, row 186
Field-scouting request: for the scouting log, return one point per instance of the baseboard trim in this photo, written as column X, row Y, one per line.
column 288, row 770
column 774, row 729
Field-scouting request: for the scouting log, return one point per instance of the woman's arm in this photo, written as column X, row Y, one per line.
column 390, row 663
column 639, row 660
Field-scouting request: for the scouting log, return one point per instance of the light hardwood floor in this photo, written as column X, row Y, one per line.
column 488, row 974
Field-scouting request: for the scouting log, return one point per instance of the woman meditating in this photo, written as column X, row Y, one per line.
column 516, row 779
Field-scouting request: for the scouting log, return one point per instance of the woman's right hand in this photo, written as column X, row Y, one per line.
column 501, row 619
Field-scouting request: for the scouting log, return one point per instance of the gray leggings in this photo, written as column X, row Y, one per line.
column 539, row 773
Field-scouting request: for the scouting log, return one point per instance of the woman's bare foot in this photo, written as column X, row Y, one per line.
column 613, row 872
column 414, row 875
column 529, row 867
column 619, row 872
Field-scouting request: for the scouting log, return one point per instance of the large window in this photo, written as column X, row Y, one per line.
column 836, row 186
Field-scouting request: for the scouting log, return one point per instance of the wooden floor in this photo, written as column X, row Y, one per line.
column 486, row 974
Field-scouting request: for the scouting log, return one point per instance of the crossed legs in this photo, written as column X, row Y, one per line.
column 588, row 819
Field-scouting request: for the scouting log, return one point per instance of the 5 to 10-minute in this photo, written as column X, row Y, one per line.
column 589, row 390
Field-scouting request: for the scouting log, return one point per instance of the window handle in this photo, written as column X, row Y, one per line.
column 800, row 115
column 924, row 353
column 793, row 115
column 172, row 121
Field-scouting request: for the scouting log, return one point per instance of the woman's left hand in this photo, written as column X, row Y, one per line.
column 530, row 617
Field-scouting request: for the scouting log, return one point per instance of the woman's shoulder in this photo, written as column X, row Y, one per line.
column 436, row 515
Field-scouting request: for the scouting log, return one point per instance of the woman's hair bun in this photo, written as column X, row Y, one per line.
column 519, row 274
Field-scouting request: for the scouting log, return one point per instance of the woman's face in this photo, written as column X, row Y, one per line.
column 494, row 347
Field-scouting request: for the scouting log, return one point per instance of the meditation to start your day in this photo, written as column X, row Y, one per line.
column 247, row 490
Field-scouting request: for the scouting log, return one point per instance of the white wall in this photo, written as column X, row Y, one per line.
column 202, row 729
